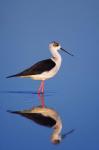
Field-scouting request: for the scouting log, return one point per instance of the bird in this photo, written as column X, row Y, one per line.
column 44, row 69
column 47, row 117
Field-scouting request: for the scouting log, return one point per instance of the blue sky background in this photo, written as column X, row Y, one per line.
column 26, row 28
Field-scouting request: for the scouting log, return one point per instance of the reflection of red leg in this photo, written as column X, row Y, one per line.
column 41, row 88
column 41, row 97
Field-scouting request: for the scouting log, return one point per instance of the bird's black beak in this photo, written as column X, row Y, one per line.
column 66, row 51
column 66, row 134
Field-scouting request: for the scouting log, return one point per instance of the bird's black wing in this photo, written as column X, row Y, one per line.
column 38, row 68
column 37, row 118
column 40, row 119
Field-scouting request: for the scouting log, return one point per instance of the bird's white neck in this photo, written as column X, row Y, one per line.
column 57, row 131
column 56, row 58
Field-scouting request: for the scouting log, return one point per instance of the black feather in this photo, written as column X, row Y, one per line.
column 38, row 68
column 37, row 118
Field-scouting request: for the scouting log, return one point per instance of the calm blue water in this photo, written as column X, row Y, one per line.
column 26, row 28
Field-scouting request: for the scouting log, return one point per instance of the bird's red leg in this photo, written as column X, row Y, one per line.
column 41, row 87
column 41, row 93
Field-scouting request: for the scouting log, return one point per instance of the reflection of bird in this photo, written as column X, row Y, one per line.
column 44, row 69
column 47, row 117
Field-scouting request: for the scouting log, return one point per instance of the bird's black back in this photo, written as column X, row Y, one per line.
column 38, row 68
column 38, row 118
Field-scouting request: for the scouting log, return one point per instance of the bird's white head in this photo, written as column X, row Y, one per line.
column 55, row 46
column 56, row 138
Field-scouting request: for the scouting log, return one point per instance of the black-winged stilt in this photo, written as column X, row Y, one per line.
column 44, row 69
column 47, row 117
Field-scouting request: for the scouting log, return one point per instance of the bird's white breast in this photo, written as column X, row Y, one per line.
column 48, row 74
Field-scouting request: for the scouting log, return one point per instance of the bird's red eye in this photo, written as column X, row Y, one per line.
column 56, row 44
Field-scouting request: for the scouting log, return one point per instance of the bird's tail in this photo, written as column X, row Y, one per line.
column 15, row 75
column 13, row 112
